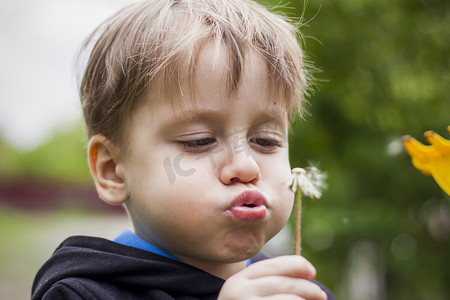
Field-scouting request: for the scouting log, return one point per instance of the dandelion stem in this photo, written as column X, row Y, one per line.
column 298, row 225
column 310, row 183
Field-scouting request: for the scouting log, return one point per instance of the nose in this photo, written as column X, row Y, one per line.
column 241, row 167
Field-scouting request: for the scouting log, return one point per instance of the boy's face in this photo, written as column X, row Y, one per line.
column 207, row 181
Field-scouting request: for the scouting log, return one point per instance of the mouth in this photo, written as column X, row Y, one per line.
column 249, row 206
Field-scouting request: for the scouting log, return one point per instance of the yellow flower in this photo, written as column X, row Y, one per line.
column 431, row 159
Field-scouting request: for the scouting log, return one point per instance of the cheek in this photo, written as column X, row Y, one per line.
column 277, row 163
column 285, row 203
column 182, row 168
column 288, row 202
column 277, row 173
column 277, row 176
column 165, row 170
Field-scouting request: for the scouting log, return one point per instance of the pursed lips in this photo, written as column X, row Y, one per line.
column 250, row 206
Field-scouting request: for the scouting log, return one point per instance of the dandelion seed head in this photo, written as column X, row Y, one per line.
column 310, row 181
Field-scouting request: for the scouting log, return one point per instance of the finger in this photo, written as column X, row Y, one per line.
column 275, row 285
column 290, row 266
column 283, row 297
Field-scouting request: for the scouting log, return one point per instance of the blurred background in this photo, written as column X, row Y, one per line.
column 382, row 228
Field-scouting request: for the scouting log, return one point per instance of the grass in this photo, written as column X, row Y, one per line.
column 28, row 239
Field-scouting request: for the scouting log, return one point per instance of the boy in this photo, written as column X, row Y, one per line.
column 187, row 106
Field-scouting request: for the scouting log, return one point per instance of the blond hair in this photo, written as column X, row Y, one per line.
column 142, row 48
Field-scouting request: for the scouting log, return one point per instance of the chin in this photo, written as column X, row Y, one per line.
column 240, row 251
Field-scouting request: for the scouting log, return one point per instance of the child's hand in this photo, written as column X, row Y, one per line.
column 284, row 278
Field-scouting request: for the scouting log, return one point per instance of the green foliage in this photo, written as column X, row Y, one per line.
column 385, row 73
column 63, row 157
column 8, row 157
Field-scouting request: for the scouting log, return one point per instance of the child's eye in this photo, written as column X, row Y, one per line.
column 266, row 144
column 198, row 145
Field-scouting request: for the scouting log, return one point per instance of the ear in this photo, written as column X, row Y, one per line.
column 103, row 165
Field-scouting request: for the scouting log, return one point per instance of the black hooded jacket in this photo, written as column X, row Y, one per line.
column 94, row 268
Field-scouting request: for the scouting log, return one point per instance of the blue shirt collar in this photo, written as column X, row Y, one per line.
column 128, row 238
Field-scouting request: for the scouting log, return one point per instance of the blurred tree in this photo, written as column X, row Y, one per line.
column 385, row 72
column 62, row 158
column 8, row 155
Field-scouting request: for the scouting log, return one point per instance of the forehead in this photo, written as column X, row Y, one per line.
column 215, row 73
column 215, row 69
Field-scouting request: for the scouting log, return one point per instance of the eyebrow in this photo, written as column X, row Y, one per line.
column 192, row 115
column 184, row 117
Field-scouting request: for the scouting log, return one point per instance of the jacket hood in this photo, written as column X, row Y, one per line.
column 112, row 265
